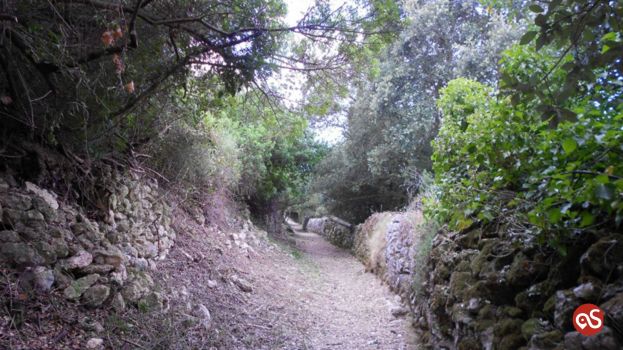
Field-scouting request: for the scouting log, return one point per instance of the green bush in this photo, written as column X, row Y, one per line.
column 201, row 159
column 500, row 156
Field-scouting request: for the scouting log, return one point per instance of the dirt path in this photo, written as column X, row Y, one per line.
column 349, row 308
column 335, row 303
column 307, row 295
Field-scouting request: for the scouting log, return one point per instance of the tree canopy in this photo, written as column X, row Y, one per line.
column 515, row 106
column 93, row 65
column 393, row 117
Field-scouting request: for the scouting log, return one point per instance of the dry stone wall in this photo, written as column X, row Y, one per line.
column 316, row 225
column 94, row 262
column 386, row 244
column 496, row 288
column 335, row 230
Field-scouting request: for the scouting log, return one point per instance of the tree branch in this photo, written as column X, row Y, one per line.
column 132, row 29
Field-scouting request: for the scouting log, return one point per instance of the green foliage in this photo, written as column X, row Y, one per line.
column 494, row 158
column 83, row 73
column 587, row 37
column 200, row 159
column 394, row 116
column 100, row 78
column 239, row 144
column 510, row 8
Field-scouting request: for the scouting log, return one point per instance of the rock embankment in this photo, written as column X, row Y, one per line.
column 335, row 230
column 96, row 262
column 497, row 288
column 386, row 243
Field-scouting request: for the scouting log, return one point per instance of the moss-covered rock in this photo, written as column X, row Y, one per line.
column 566, row 303
column 546, row 340
column 138, row 285
column 469, row 343
column 511, row 342
column 153, row 301
column 508, row 326
column 20, row 254
column 525, row 271
column 9, row 236
column 512, row 311
column 47, row 251
column 75, row 290
column 96, row 295
column 603, row 257
column 459, row 283
column 613, row 309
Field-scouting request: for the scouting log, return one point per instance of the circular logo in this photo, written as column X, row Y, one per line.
column 588, row 319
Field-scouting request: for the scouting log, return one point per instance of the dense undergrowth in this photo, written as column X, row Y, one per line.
column 544, row 147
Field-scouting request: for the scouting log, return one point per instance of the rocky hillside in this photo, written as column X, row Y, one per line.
column 74, row 273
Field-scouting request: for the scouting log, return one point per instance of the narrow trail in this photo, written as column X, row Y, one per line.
column 335, row 303
column 303, row 294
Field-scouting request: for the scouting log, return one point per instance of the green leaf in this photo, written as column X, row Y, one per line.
column 567, row 115
column 611, row 36
column 540, row 42
column 554, row 215
column 536, row 8
column 587, row 219
column 464, row 224
column 569, row 145
column 540, row 20
column 528, row 37
column 602, row 179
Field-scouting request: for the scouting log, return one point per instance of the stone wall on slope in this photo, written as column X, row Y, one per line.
column 95, row 260
column 386, row 243
column 335, row 230
column 496, row 288
column 315, row 225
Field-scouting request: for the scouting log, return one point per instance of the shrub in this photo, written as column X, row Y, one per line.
column 201, row 160
column 558, row 170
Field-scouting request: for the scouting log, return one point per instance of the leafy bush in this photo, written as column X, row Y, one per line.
column 236, row 147
column 502, row 155
column 201, row 159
